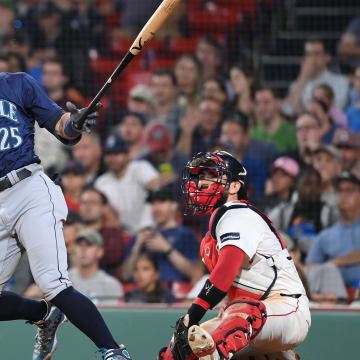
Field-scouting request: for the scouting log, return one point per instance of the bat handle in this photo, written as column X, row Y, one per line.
column 91, row 107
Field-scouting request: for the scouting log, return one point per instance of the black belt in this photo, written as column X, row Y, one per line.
column 22, row 174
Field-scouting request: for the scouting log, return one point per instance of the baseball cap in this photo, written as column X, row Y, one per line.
column 114, row 144
column 142, row 92
column 158, row 138
column 330, row 149
column 164, row 193
column 286, row 164
column 347, row 176
column 345, row 137
column 92, row 237
column 74, row 167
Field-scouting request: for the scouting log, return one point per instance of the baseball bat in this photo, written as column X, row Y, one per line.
column 146, row 34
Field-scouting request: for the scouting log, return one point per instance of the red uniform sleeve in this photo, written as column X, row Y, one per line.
column 227, row 267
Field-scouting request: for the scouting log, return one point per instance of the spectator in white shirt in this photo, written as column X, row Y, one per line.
column 126, row 185
column 313, row 71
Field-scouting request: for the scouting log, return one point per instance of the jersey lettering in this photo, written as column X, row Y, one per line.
column 8, row 110
column 229, row 236
column 9, row 138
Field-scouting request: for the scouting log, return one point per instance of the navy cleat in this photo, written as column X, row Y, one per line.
column 115, row 354
column 45, row 339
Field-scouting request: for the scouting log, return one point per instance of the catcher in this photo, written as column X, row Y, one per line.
column 266, row 313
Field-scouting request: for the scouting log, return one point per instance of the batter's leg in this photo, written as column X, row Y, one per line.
column 40, row 231
column 13, row 306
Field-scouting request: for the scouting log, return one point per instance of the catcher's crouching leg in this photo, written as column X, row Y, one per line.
column 242, row 320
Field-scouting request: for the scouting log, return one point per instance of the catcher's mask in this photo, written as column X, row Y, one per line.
column 209, row 166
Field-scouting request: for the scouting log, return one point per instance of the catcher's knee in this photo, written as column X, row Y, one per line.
column 242, row 320
column 253, row 311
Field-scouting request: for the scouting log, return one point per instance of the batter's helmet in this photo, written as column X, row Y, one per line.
column 219, row 163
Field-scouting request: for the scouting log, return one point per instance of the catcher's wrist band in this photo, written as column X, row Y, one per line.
column 211, row 294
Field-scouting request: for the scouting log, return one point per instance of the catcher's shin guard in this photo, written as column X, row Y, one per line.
column 242, row 321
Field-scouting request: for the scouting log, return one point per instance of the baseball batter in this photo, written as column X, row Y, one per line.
column 32, row 212
column 267, row 312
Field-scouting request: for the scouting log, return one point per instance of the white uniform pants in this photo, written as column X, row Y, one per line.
column 32, row 213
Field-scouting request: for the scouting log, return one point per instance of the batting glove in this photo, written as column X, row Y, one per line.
column 73, row 127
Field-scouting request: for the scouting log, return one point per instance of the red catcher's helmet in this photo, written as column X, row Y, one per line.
column 220, row 163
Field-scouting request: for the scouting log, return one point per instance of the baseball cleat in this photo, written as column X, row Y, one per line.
column 45, row 339
column 115, row 354
column 201, row 342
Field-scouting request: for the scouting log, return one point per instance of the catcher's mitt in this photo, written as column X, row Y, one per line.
column 180, row 348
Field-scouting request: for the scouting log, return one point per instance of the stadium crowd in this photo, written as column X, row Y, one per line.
column 126, row 237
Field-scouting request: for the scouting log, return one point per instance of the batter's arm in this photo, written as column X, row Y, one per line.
column 60, row 126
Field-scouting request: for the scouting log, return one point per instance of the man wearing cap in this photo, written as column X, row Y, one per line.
column 168, row 161
column 73, row 181
column 348, row 144
column 340, row 243
column 327, row 160
column 86, row 275
column 174, row 246
column 132, row 130
column 141, row 99
column 126, row 184
column 281, row 183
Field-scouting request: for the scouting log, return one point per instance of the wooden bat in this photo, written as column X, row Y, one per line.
column 146, row 34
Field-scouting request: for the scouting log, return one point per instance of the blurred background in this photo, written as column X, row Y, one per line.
column 276, row 83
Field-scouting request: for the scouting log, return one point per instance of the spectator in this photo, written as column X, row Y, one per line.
column 200, row 128
column 73, row 181
column 314, row 70
column 54, row 82
column 215, row 88
column 16, row 62
column 348, row 144
column 323, row 283
column 149, row 288
column 88, row 152
column 188, row 74
column 209, row 53
column 165, row 88
column 86, row 275
column 235, row 131
column 174, row 246
column 71, row 228
column 132, row 131
column 340, row 244
column 281, row 183
column 94, row 211
column 142, row 100
column 271, row 126
column 325, row 93
column 166, row 159
column 242, row 79
column 126, row 185
column 328, row 127
column 7, row 18
column 349, row 46
column 4, row 66
column 353, row 111
column 305, row 217
column 308, row 138
column 327, row 161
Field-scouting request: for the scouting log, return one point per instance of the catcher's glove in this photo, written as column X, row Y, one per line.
column 180, row 348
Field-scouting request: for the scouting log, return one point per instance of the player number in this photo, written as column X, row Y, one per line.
column 9, row 138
